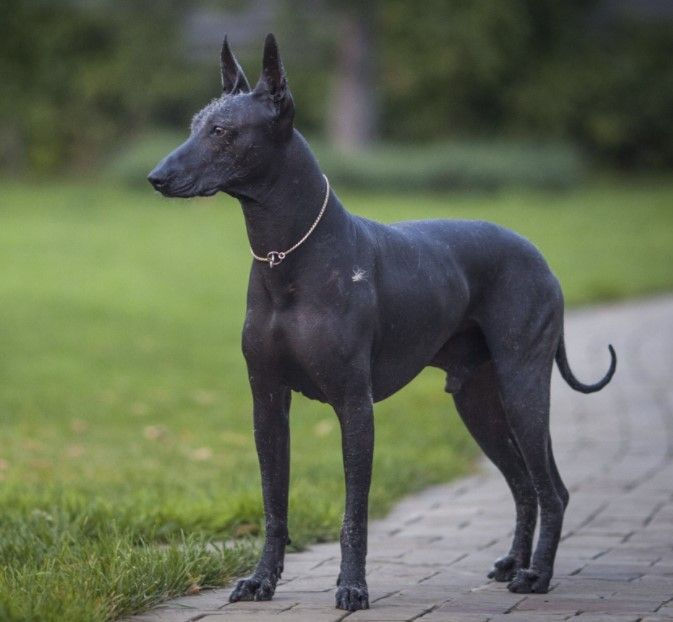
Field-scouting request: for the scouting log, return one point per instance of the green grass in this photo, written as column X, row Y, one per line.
column 125, row 415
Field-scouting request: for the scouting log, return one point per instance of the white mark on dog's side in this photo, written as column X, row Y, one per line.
column 358, row 275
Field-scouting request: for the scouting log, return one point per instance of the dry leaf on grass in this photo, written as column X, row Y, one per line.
column 74, row 451
column 201, row 454
column 204, row 397
column 246, row 529
column 139, row 409
column 154, row 432
column 78, row 426
column 323, row 428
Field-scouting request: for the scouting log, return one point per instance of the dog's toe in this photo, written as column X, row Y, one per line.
column 352, row 598
column 265, row 590
column 504, row 569
column 253, row 588
column 244, row 590
column 527, row 581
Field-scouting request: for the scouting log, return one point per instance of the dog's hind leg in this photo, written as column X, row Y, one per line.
column 480, row 407
column 556, row 476
column 522, row 322
column 524, row 380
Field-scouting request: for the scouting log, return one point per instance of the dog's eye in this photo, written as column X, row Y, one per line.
column 218, row 130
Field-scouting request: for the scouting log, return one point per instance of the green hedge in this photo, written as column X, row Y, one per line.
column 485, row 165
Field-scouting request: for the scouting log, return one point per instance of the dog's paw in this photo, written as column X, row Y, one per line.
column 352, row 597
column 253, row 588
column 527, row 581
column 504, row 568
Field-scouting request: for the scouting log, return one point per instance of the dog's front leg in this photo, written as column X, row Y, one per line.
column 271, row 406
column 357, row 439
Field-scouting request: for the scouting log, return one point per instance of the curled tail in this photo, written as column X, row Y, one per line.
column 569, row 377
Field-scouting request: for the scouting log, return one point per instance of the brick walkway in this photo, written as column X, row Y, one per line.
column 428, row 559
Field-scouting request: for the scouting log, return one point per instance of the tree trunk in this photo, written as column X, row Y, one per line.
column 351, row 115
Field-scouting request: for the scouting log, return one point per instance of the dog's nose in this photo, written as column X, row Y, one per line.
column 157, row 180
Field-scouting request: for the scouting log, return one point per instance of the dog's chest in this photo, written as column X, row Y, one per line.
column 290, row 343
column 300, row 382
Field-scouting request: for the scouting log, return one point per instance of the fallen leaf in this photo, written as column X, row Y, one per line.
column 74, row 451
column 154, row 432
column 204, row 397
column 246, row 529
column 234, row 438
column 78, row 425
column 323, row 428
column 201, row 454
column 139, row 409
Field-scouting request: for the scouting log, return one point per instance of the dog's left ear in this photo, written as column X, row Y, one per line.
column 273, row 84
column 233, row 78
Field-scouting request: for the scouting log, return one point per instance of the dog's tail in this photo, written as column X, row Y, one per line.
column 569, row 377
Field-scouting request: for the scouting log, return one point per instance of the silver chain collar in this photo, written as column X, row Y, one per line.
column 273, row 258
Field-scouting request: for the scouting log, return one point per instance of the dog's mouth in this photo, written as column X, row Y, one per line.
column 187, row 191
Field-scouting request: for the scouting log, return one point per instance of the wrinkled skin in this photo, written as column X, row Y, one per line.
column 360, row 309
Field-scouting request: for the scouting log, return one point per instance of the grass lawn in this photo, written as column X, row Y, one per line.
column 124, row 408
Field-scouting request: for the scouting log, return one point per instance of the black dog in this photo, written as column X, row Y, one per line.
column 347, row 311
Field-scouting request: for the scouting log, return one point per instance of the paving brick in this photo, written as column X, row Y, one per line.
column 234, row 616
column 601, row 617
column 614, row 571
column 666, row 611
column 447, row 615
column 387, row 612
column 207, row 600
column 166, row 614
column 279, row 603
column 612, row 605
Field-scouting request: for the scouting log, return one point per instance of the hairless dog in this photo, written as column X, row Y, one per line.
column 347, row 311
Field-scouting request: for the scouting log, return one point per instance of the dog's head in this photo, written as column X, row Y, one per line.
column 237, row 138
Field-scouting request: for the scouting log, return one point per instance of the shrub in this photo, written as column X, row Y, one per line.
column 480, row 165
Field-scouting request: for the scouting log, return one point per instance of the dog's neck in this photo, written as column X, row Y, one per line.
column 279, row 211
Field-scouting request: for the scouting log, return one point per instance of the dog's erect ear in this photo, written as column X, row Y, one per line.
column 273, row 84
column 233, row 78
column 273, row 72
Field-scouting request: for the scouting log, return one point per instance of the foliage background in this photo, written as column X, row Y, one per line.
column 81, row 79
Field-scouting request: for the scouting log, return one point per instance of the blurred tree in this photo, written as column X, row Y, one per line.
column 624, row 106
column 454, row 67
column 595, row 71
column 76, row 78
column 351, row 111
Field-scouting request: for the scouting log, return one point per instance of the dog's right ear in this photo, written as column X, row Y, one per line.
column 233, row 78
column 273, row 87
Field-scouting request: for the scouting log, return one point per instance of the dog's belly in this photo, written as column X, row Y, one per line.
column 386, row 384
column 421, row 300
column 393, row 367
column 410, row 338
